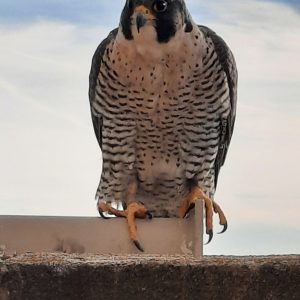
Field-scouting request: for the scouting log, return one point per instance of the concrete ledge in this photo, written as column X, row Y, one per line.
column 70, row 276
column 23, row 234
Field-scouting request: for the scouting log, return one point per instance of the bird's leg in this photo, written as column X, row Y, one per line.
column 189, row 203
column 135, row 209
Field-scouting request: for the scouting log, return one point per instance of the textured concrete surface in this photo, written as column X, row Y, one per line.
column 70, row 276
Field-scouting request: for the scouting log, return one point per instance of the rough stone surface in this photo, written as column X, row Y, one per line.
column 65, row 276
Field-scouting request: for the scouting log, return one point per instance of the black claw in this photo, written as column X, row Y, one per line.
column 211, row 234
column 225, row 228
column 138, row 245
column 101, row 213
column 192, row 206
column 149, row 215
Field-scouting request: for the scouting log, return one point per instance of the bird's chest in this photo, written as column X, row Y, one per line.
column 157, row 95
column 156, row 89
column 158, row 73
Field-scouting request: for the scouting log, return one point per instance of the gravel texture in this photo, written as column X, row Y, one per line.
column 70, row 276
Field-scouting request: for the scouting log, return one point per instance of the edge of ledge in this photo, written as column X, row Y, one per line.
column 71, row 276
column 61, row 258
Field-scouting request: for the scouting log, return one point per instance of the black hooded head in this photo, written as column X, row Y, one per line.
column 166, row 16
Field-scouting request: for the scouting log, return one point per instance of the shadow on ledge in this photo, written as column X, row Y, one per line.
column 71, row 276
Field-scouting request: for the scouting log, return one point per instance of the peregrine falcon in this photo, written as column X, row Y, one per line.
column 162, row 93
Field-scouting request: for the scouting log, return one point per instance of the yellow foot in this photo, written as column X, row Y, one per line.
column 210, row 206
column 134, row 210
column 222, row 218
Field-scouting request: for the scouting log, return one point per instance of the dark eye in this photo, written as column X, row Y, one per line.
column 160, row 6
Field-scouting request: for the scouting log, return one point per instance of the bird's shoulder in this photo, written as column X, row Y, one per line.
column 96, row 62
column 224, row 54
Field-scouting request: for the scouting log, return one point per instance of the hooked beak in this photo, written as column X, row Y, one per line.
column 140, row 21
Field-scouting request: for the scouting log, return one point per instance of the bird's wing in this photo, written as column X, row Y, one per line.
column 227, row 61
column 95, row 68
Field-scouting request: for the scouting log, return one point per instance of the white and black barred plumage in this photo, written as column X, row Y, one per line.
column 163, row 109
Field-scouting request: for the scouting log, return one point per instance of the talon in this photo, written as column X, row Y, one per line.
column 104, row 207
column 150, row 216
column 222, row 217
column 101, row 213
column 211, row 234
column 135, row 210
column 138, row 245
column 189, row 203
column 224, row 229
column 192, row 206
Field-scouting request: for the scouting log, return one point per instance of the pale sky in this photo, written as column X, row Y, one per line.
column 50, row 162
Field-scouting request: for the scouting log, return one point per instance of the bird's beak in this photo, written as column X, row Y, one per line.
column 140, row 21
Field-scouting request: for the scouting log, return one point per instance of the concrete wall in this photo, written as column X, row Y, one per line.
column 71, row 276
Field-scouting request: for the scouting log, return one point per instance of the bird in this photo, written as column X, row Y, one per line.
column 163, row 94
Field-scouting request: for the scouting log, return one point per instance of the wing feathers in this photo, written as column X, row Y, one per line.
column 95, row 68
column 227, row 61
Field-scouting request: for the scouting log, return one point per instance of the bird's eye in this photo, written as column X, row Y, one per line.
column 160, row 6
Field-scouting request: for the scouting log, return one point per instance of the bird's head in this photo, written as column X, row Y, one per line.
column 165, row 17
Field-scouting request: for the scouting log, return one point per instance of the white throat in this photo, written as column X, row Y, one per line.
column 145, row 43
